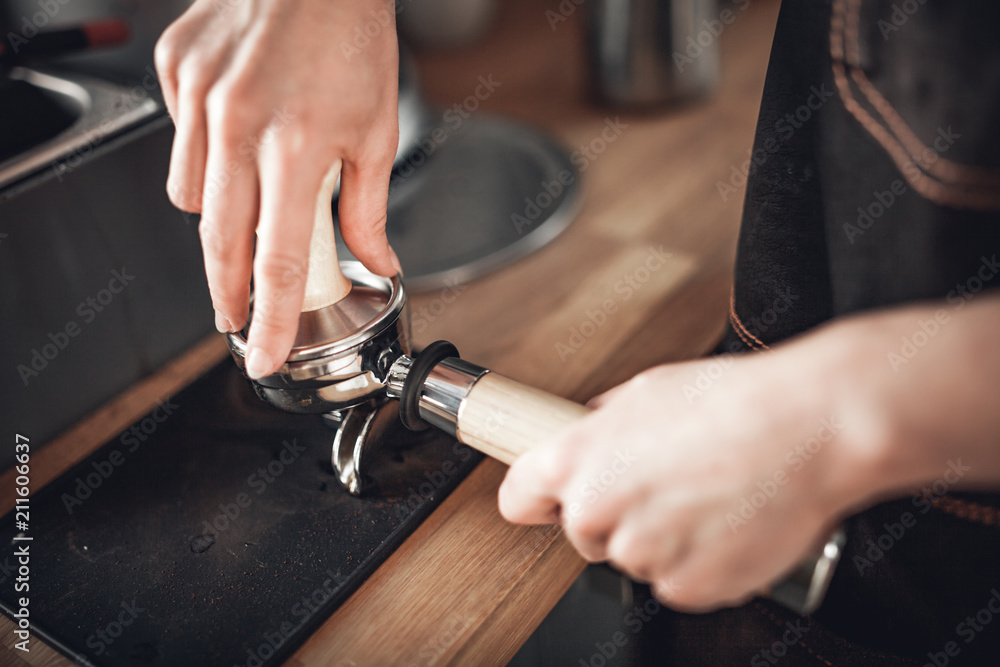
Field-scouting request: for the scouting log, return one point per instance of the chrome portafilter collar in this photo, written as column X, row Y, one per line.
column 343, row 352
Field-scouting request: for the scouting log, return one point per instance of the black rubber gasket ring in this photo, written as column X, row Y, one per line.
column 409, row 400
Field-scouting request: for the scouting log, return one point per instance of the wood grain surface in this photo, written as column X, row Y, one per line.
column 652, row 251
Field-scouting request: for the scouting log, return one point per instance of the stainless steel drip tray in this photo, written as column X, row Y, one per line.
column 71, row 114
column 474, row 198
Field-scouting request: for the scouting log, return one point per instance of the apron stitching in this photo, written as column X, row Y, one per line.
column 734, row 319
column 929, row 187
column 970, row 511
column 802, row 643
column 942, row 168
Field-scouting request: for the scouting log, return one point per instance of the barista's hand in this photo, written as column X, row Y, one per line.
column 265, row 100
column 709, row 494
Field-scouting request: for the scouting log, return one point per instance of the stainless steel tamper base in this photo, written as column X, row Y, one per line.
column 343, row 352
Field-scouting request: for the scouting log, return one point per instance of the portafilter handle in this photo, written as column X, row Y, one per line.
column 503, row 419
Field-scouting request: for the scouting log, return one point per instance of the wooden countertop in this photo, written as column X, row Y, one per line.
column 466, row 587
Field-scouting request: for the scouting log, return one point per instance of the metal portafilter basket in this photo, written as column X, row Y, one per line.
column 353, row 350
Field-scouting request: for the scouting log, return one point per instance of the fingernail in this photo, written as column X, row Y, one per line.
column 222, row 324
column 502, row 499
column 259, row 363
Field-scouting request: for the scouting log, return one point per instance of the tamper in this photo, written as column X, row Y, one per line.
column 352, row 354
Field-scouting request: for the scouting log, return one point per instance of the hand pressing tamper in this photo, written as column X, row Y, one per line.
column 353, row 350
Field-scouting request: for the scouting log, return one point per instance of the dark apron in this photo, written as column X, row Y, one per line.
column 874, row 180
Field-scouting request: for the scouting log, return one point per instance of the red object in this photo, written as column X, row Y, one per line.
column 106, row 32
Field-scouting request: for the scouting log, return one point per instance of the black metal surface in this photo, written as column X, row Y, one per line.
column 30, row 116
column 217, row 534
column 62, row 238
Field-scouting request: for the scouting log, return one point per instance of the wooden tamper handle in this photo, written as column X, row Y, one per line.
column 325, row 284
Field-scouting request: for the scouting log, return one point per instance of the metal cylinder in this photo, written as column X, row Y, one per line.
column 444, row 390
column 650, row 52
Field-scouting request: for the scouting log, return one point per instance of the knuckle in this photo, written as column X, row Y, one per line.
column 225, row 297
column 193, row 82
column 293, row 146
column 216, row 238
column 586, row 528
column 551, row 466
column 267, row 322
column 228, row 108
column 365, row 230
column 167, row 53
column 626, row 550
column 282, row 272
column 381, row 149
column 642, row 380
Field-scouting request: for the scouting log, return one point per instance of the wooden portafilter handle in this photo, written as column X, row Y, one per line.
column 325, row 284
column 504, row 419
